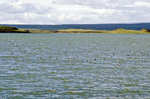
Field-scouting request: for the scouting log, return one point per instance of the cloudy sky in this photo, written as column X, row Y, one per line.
column 74, row 11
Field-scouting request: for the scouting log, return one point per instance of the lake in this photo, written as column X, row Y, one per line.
column 133, row 26
column 62, row 66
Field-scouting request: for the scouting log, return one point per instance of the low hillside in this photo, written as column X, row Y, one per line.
column 7, row 29
column 125, row 31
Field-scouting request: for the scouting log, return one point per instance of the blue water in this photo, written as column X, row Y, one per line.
column 87, row 26
column 74, row 66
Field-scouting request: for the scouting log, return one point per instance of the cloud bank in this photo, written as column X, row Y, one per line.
column 73, row 11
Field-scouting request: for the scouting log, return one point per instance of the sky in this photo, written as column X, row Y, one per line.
column 74, row 11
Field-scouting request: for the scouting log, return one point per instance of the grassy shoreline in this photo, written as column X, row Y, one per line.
column 116, row 31
column 6, row 29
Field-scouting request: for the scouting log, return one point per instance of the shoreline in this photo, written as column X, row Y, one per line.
column 6, row 29
column 116, row 31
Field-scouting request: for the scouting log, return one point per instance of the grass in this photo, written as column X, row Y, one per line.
column 125, row 31
column 81, row 31
column 116, row 31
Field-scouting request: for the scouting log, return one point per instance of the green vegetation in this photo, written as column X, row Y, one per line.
column 7, row 29
column 81, row 31
column 124, row 31
column 117, row 31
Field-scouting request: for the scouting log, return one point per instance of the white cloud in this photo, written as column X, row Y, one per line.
column 73, row 11
column 143, row 4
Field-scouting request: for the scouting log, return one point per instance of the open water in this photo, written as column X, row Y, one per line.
column 74, row 66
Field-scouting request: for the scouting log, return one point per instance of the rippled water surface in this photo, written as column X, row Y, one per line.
column 92, row 66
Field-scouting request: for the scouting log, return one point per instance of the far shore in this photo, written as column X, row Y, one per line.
column 6, row 29
column 116, row 31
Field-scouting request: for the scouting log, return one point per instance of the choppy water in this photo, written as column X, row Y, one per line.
column 59, row 66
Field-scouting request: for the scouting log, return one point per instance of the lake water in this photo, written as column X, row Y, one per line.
column 62, row 66
column 133, row 26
